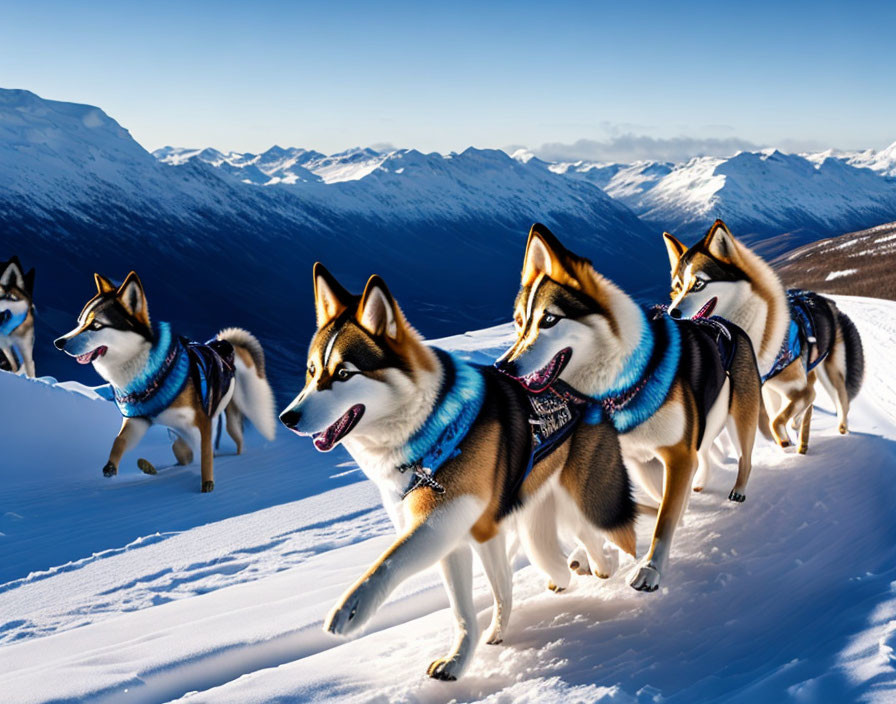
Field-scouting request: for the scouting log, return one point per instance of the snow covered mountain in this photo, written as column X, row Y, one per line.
column 759, row 194
column 224, row 238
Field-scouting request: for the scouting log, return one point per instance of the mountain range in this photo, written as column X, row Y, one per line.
column 224, row 238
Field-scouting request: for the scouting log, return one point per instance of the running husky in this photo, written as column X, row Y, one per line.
column 796, row 334
column 159, row 378
column 451, row 448
column 668, row 388
column 16, row 318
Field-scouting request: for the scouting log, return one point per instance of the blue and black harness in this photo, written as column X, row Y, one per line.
column 810, row 335
column 700, row 351
column 8, row 323
column 172, row 362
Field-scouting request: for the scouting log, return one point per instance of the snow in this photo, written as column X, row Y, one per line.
column 838, row 274
column 140, row 589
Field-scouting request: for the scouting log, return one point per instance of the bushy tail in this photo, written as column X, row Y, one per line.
column 253, row 395
column 855, row 355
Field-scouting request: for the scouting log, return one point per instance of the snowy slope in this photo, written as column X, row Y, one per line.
column 157, row 592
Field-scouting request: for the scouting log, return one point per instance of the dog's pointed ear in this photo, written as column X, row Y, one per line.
column 719, row 242
column 12, row 274
column 103, row 285
column 544, row 255
column 378, row 312
column 330, row 297
column 674, row 248
column 131, row 296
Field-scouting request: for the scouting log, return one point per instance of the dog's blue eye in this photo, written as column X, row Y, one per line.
column 342, row 373
column 95, row 325
column 698, row 284
column 311, row 369
column 549, row 320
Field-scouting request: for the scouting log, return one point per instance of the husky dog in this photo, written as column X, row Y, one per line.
column 797, row 335
column 668, row 388
column 16, row 318
column 451, row 448
column 159, row 378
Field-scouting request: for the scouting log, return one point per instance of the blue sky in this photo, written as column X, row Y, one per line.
column 566, row 78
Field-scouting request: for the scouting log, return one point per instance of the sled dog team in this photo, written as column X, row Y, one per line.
column 593, row 388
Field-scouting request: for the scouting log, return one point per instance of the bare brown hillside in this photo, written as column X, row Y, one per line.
column 858, row 263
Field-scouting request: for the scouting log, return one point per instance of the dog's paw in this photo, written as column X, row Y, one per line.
column 208, row 487
column 843, row 429
column 554, row 587
column 146, row 466
column 110, row 470
column 351, row 613
column 698, row 489
column 737, row 497
column 802, row 449
column 645, row 578
column 578, row 562
column 446, row 669
column 608, row 565
column 784, row 444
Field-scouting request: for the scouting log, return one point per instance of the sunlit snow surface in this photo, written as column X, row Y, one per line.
column 140, row 589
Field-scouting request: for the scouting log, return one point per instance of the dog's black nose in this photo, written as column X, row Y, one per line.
column 290, row 418
column 675, row 313
column 60, row 343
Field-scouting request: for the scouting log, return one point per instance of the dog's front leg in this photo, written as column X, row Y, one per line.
column 428, row 540
column 496, row 564
column 132, row 431
column 457, row 572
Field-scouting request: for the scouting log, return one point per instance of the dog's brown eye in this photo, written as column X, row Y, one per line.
column 342, row 373
column 518, row 320
column 698, row 284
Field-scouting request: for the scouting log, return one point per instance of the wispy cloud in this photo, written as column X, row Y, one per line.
column 632, row 147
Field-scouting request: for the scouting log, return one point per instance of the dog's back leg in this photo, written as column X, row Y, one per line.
column 235, row 425
column 493, row 555
column 538, row 534
column 207, row 452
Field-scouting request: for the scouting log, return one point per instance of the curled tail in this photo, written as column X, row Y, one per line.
column 855, row 355
column 253, row 396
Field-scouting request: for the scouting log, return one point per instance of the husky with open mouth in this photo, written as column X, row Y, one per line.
column 798, row 336
column 159, row 378
column 16, row 318
column 452, row 450
column 668, row 388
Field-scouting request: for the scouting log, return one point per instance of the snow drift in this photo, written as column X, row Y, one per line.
column 139, row 589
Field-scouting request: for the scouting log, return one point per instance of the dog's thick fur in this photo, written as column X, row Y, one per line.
column 17, row 297
column 366, row 359
column 115, row 335
column 749, row 293
column 566, row 311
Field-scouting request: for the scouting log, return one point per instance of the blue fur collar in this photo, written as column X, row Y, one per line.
column 161, row 379
column 456, row 408
column 9, row 322
column 644, row 383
